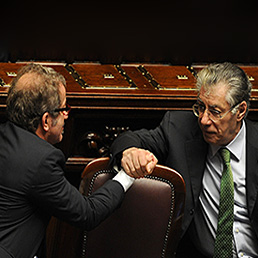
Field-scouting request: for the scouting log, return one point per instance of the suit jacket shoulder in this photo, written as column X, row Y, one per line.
column 33, row 184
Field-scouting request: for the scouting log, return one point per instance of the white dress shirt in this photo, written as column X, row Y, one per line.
column 245, row 242
column 125, row 180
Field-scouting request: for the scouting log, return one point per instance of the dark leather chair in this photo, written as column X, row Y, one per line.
column 149, row 220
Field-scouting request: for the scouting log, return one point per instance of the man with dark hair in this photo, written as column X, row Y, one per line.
column 216, row 151
column 32, row 182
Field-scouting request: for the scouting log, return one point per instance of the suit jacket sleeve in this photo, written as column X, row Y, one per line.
column 52, row 193
column 153, row 140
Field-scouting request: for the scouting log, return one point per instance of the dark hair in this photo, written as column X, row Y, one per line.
column 33, row 92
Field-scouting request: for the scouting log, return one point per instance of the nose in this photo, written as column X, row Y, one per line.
column 67, row 111
column 205, row 119
column 65, row 114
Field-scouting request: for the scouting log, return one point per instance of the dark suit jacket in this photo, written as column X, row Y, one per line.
column 33, row 187
column 178, row 143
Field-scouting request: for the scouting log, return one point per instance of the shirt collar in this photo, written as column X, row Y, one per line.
column 235, row 146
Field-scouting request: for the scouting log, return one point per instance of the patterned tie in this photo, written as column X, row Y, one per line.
column 224, row 238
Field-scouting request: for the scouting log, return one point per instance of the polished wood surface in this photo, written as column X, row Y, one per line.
column 108, row 99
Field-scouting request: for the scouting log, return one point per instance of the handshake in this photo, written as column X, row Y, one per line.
column 137, row 162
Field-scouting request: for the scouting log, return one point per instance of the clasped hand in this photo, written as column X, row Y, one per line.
column 138, row 162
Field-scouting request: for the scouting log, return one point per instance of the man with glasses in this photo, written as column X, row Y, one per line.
column 192, row 143
column 32, row 182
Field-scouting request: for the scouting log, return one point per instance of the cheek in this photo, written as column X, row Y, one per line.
column 225, row 134
column 58, row 129
column 213, row 134
column 59, row 122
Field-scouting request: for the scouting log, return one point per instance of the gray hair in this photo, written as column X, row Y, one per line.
column 239, row 85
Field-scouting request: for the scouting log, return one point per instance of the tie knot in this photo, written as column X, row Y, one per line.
column 225, row 154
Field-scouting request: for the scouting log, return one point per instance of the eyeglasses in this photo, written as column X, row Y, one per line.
column 213, row 114
column 66, row 109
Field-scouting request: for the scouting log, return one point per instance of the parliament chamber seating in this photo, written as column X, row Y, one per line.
column 109, row 99
column 147, row 224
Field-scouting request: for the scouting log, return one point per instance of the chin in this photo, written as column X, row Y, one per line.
column 60, row 138
column 57, row 140
column 211, row 140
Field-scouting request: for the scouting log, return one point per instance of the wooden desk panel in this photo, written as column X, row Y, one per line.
column 112, row 96
column 106, row 99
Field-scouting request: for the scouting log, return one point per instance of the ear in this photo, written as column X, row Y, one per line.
column 241, row 111
column 45, row 122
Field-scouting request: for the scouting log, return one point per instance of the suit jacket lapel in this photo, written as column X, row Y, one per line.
column 196, row 152
column 251, row 166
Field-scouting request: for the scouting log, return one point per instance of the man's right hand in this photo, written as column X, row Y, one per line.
column 138, row 162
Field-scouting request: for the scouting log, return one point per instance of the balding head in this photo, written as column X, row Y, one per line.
column 33, row 92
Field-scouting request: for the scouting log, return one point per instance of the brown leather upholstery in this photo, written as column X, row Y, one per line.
column 148, row 222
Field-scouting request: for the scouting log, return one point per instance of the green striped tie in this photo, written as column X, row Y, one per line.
column 224, row 238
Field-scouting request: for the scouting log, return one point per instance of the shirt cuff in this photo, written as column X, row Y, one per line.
column 125, row 180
